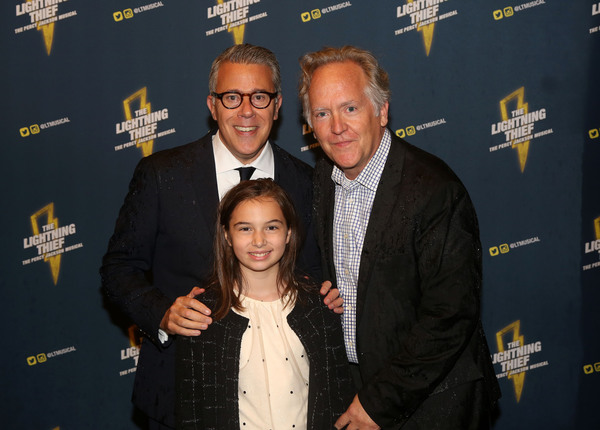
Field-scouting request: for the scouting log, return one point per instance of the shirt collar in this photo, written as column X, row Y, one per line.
column 369, row 177
column 225, row 161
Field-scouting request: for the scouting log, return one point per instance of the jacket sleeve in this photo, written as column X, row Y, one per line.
column 447, row 266
column 126, row 266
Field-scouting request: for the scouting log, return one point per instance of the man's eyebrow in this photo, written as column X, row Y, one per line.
column 319, row 109
column 349, row 102
column 253, row 90
column 344, row 104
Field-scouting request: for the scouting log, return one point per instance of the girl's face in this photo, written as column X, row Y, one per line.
column 258, row 234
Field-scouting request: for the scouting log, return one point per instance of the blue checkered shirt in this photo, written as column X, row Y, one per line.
column 353, row 204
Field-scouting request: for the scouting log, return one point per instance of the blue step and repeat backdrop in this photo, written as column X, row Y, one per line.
column 506, row 91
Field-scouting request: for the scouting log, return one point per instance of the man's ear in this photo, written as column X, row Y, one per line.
column 210, row 102
column 383, row 114
column 278, row 101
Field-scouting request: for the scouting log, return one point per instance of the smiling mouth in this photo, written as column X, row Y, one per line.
column 342, row 142
column 260, row 254
column 245, row 129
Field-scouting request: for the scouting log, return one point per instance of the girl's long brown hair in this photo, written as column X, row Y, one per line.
column 227, row 276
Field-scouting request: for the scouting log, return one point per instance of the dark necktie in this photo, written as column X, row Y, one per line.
column 245, row 172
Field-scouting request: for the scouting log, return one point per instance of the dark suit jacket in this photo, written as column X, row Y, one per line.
column 419, row 332
column 162, row 248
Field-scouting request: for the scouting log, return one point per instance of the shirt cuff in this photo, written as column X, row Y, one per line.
column 162, row 336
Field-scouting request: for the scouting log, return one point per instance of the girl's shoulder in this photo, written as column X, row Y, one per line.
column 308, row 295
column 211, row 296
column 307, row 286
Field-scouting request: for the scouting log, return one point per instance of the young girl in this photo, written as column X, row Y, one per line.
column 274, row 357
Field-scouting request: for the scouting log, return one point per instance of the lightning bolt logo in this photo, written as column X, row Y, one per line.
column 54, row 261
column 238, row 32
column 48, row 33
column 523, row 147
column 518, row 378
column 427, row 31
column 140, row 95
column 597, row 228
column 133, row 334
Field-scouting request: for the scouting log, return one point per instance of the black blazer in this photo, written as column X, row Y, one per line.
column 418, row 301
column 207, row 369
column 162, row 248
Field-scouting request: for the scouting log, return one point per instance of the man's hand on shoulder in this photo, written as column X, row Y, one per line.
column 332, row 297
column 187, row 316
column 356, row 418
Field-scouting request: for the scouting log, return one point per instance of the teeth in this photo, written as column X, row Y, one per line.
column 245, row 128
column 259, row 254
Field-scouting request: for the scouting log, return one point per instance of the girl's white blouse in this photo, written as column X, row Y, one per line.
column 273, row 378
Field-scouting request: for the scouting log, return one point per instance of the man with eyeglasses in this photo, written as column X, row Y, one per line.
column 162, row 244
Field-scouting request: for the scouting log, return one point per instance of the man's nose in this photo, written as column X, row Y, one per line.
column 338, row 125
column 246, row 109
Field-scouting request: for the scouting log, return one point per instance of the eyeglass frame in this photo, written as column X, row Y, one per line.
column 220, row 97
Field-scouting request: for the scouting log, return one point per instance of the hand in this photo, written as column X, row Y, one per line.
column 186, row 316
column 332, row 297
column 356, row 418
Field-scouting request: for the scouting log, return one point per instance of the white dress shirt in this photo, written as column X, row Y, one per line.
column 226, row 163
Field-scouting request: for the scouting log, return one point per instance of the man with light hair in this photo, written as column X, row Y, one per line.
column 399, row 237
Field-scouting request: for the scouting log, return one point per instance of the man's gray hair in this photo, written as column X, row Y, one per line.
column 378, row 87
column 246, row 54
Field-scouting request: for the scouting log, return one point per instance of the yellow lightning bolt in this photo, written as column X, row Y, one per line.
column 134, row 338
column 427, row 31
column 523, row 147
column 140, row 94
column 55, row 260
column 238, row 32
column 48, row 32
column 597, row 228
column 518, row 378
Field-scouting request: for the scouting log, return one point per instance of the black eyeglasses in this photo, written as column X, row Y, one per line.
column 233, row 99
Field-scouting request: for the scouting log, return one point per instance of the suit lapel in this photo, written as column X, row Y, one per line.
column 329, row 204
column 279, row 162
column 204, row 180
column 381, row 217
column 324, row 200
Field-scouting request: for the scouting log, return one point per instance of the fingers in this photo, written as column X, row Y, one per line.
column 356, row 417
column 187, row 316
column 337, row 305
column 197, row 304
column 196, row 291
column 342, row 421
column 332, row 299
column 325, row 287
column 332, row 294
column 192, row 310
